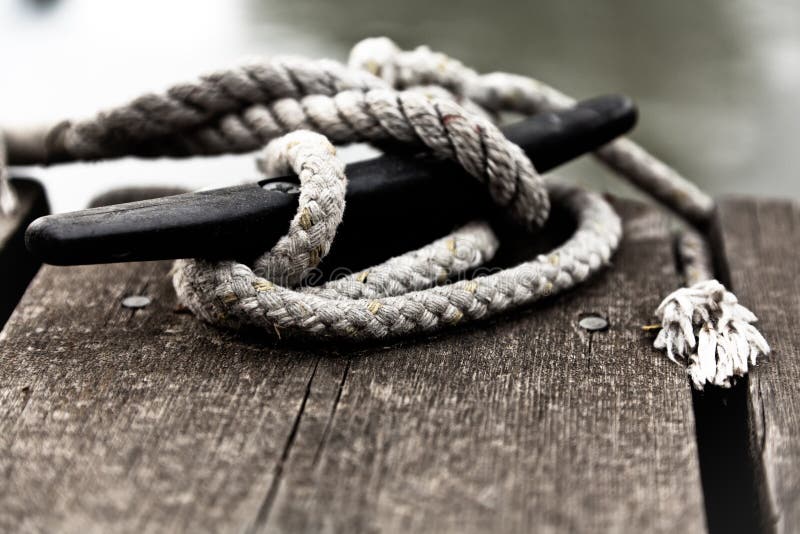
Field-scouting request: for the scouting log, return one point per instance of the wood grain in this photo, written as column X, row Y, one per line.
column 525, row 424
column 135, row 421
column 147, row 420
column 761, row 241
column 17, row 267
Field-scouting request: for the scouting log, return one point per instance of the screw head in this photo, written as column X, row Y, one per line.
column 136, row 301
column 593, row 322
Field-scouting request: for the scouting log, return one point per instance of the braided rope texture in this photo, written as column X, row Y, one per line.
column 501, row 91
column 241, row 109
column 387, row 96
column 401, row 296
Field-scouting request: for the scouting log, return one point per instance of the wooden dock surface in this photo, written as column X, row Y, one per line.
column 113, row 419
column 761, row 246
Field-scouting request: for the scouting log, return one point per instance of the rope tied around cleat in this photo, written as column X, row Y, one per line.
column 298, row 108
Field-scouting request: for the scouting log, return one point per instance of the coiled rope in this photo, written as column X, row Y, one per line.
column 428, row 100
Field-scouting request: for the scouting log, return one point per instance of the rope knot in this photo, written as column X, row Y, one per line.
column 321, row 205
column 389, row 96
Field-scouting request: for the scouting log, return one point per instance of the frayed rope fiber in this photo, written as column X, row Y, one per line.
column 706, row 326
column 298, row 108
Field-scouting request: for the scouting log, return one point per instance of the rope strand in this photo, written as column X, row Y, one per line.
column 385, row 95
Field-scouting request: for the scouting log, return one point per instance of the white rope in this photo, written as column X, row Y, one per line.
column 706, row 326
column 389, row 96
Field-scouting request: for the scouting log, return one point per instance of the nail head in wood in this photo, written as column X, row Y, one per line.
column 593, row 322
column 136, row 301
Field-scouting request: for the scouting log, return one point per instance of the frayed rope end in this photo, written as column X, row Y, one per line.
column 705, row 327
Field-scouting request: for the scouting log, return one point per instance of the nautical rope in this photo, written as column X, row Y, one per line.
column 387, row 96
column 704, row 324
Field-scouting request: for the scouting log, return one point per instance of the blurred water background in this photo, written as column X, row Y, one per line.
column 717, row 81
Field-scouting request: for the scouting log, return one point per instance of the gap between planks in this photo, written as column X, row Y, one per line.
column 760, row 240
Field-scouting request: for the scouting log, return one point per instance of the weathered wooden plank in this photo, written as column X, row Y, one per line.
column 138, row 421
column 761, row 242
column 524, row 424
column 17, row 267
column 148, row 420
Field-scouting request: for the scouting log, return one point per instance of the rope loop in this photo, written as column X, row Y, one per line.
column 300, row 108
